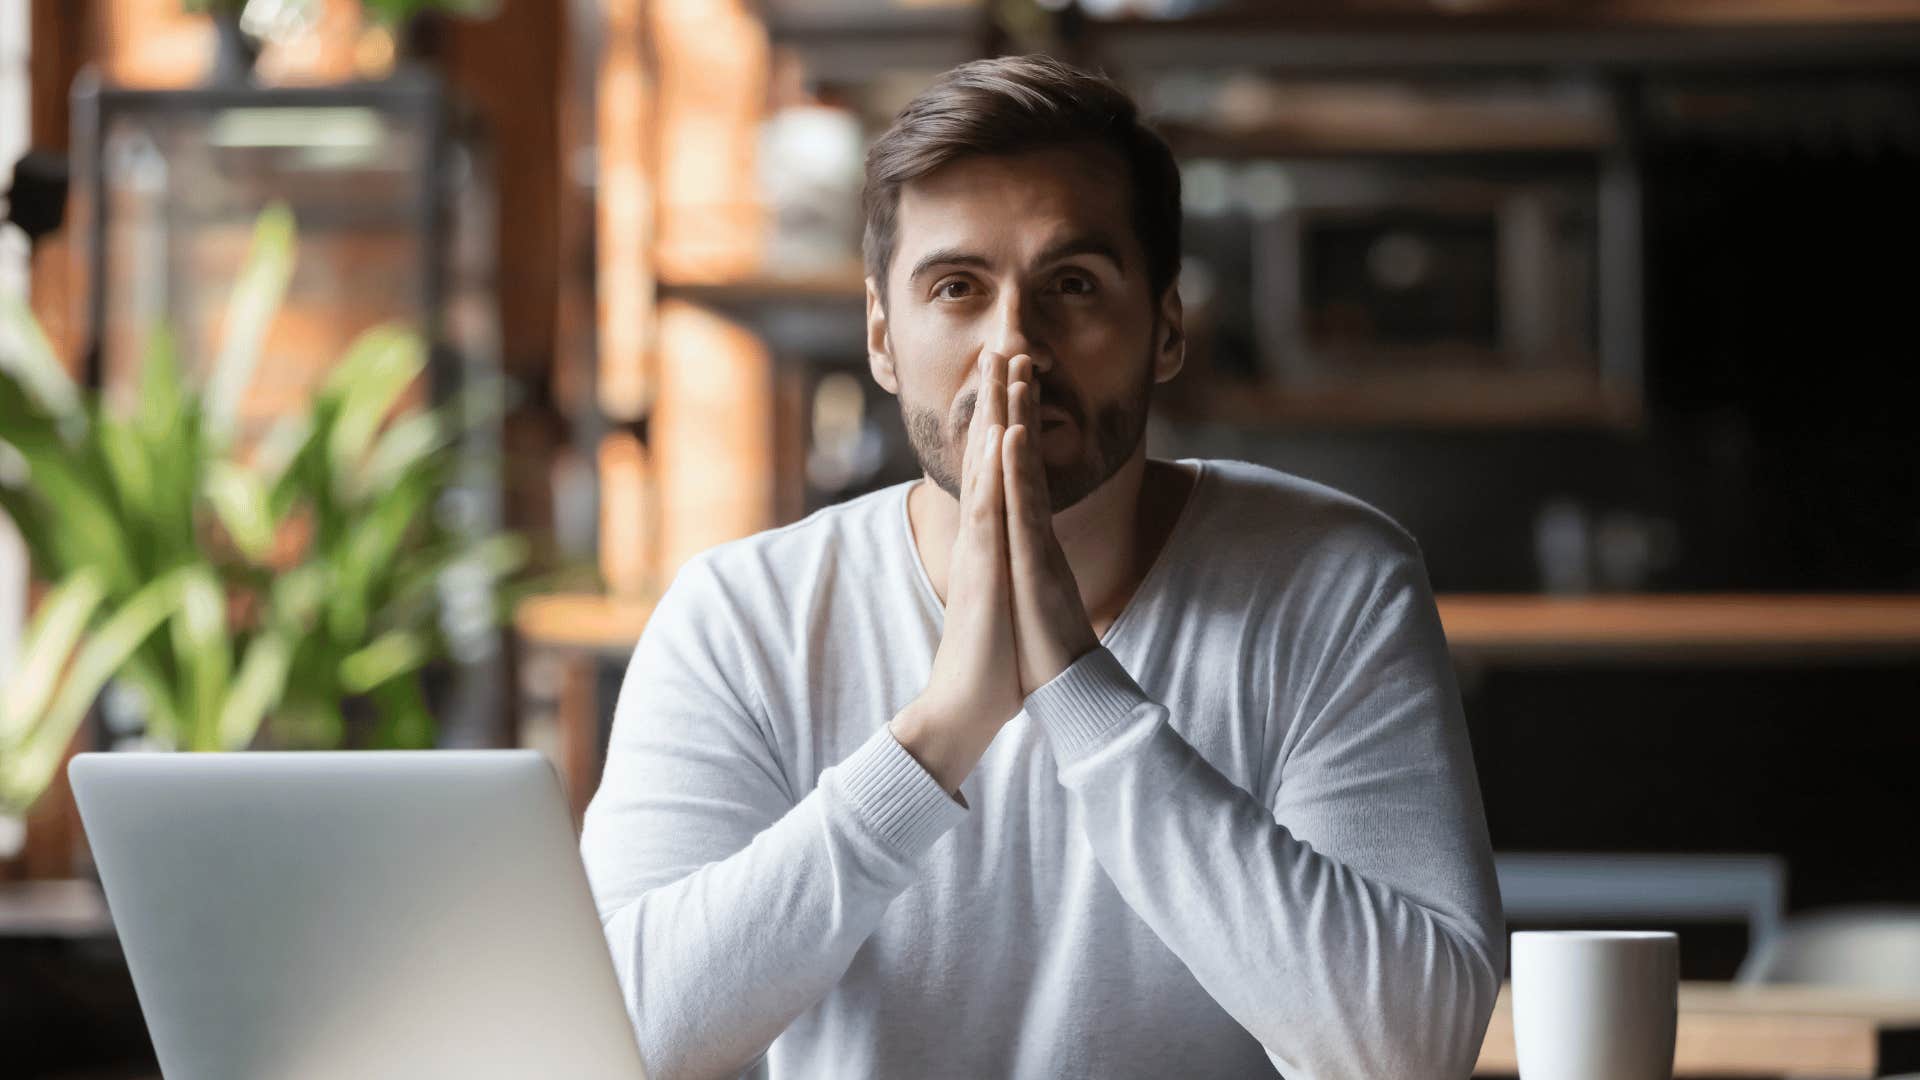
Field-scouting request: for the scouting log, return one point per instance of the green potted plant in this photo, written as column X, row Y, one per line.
column 238, row 599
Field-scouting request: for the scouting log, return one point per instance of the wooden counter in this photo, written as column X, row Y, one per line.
column 1660, row 626
column 581, row 621
column 1656, row 625
column 1732, row 1030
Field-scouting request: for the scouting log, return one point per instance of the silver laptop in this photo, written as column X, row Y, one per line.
column 355, row 914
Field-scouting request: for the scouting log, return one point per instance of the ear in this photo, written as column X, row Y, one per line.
column 879, row 344
column 1170, row 350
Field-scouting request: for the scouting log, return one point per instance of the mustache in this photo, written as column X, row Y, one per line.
column 1054, row 392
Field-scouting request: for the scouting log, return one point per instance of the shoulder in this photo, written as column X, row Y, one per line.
column 1284, row 519
column 1331, row 577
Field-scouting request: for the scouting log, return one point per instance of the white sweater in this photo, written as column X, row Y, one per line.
column 1244, row 836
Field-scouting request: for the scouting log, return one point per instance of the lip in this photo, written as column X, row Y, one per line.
column 1052, row 417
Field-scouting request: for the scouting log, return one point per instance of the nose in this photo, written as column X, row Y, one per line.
column 1016, row 330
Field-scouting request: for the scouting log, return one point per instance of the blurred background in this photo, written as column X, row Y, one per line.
column 1609, row 302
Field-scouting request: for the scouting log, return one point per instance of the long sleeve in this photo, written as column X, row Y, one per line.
column 1353, row 925
column 731, row 907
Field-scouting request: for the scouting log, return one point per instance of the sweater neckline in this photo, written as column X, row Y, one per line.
column 1151, row 579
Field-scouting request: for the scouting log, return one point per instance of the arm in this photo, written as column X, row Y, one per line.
column 1353, row 926
column 731, row 908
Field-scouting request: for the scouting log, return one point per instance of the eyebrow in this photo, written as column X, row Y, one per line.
column 1088, row 244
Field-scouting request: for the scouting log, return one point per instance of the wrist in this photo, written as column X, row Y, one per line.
column 941, row 746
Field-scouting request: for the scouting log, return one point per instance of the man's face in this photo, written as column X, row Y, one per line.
column 1032, row 253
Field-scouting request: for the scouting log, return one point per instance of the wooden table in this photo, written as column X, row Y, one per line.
column 1731, row 1030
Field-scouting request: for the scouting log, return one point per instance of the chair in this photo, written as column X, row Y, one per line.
column 1868, row 947
column 1570, row 888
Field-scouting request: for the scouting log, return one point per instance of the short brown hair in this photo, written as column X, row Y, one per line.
column 1013, row 104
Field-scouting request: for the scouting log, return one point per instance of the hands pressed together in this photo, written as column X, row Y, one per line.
column 1014, row 619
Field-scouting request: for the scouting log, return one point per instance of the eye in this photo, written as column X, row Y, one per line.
column 940, row 291
column 1076, row 284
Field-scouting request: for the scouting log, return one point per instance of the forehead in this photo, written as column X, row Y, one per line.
column 1014, row 204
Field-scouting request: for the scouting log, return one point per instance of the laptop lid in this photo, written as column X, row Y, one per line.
column 364, row 914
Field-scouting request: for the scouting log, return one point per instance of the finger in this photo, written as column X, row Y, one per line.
column 1022, row 404
column 990, row 503
column 1035, row 558
column 1024, row 510
column 1020, row 392
column 1032, row 472
column 976, row 427
column 1037, row 493
column 1019, row 370
column 994, row 393
column 989, row 408
column 1019, row 405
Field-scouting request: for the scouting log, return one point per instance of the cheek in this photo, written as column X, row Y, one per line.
column 934, row 362
column 1094, row 332
column 1103, row 355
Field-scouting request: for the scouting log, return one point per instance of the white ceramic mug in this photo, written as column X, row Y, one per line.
column 1595, row 1004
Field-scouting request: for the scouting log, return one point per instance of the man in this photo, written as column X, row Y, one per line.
column 1059, row 762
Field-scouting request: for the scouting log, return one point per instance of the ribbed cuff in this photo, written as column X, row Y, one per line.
column 905, row 805
column 1083, row 705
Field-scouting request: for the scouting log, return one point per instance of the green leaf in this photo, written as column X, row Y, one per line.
column 71, row 481
column 26, row 354
column 167, row 419
column 311, row 723
column 131, row 471
column 240, row 501
column 291, row 456
column 91, row 534
column 161, row 385
column 256, row 298
column 25, row 423
column 30, row 517
column 405, row 721
column 205, row 652
column 366, row 556
column 419, row 441
column 379, row 367
column 390, row 656
column 24, row 773
column 415, row 580
column 283, row 444
column 402, row 448
column 296, row 598
column 44, row 651
column 257, row 687
column 156, row 691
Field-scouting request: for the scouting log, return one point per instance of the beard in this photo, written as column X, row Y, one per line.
column 1105, row 444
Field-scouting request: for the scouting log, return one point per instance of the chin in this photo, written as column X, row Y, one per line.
column 1071, row 480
